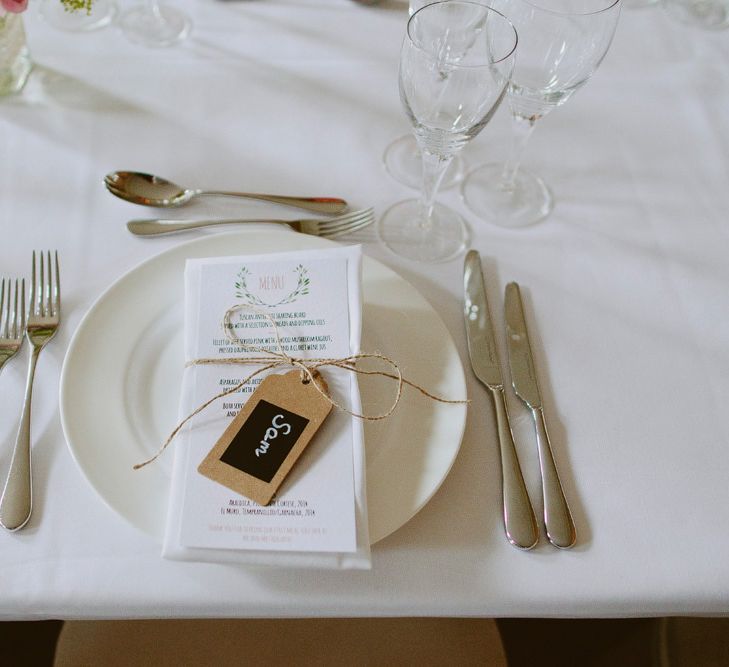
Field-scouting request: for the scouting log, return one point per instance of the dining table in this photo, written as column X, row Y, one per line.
column 625, row 287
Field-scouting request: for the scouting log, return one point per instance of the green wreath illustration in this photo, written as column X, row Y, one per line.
column 243, row 292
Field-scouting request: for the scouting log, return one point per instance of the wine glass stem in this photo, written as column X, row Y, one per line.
column 434, row 167
column 522, row 128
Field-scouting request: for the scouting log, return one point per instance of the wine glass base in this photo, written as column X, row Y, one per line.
column 102, row 13
column 524, row 204
column 143, row 26
column 402, row 161
column 400, row 231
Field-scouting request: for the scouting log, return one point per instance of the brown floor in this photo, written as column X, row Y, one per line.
column 29, row 644
column 528, row 642
column 579, row 643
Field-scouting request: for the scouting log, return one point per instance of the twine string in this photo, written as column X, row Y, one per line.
column 309, row 372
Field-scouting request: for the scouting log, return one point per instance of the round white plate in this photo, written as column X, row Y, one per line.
column 122, row 374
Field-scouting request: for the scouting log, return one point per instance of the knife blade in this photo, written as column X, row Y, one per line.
column 519, row 521
column 557, row 518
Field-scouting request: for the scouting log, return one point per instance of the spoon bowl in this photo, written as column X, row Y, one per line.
column 146, row 189
column 150, row 190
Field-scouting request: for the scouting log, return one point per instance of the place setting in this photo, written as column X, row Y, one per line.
column 137, row 339
column 231, row 427
column 136, row 347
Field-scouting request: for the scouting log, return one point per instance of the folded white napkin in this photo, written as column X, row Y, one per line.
column 319, row 515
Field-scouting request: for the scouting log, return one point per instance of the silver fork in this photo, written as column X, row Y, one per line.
column 341, row 224
column 44, row 317
column 12, row 318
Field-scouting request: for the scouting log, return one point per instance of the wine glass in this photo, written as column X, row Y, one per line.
column 402, row 156
column 455, row 64
column 155, row 24
column 561, row 44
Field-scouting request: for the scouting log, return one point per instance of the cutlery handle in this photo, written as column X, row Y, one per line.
column 157, row 227
column 557, row 518
column 318, row 204
column 519, row 520
column 16, row 502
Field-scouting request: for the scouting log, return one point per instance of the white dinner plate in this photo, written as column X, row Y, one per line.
column 122, row 374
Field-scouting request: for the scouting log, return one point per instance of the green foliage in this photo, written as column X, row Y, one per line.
column 77, row 5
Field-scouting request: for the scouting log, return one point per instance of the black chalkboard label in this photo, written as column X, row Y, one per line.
column 260, row 446
column 264, row 441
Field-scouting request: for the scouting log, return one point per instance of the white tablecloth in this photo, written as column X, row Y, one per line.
column 627, row 281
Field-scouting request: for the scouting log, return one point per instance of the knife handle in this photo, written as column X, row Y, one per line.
column 557, row 518
column 519, row 520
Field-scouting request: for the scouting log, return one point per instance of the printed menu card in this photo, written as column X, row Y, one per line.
column 318, row 516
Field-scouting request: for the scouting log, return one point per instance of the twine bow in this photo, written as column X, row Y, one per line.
column 309, row 370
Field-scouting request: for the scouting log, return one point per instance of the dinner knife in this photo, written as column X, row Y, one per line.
column 519, row 520
column 557, row 518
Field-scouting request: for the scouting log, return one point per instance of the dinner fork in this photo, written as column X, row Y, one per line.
column 12, row 318
column 341, row 224
column 44, row 316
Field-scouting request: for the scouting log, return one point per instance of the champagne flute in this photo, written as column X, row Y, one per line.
column 155, row 24
column 402, row 158
column 561, row 44
column 455, row 64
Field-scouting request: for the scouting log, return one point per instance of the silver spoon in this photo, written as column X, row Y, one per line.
column 140, row 188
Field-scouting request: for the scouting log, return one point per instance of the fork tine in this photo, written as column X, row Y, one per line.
column 347, row 230
column 57, row 289
column 352, row 218
column 15, row 312
column 3, row 321
column 41, row 285
column 347, row 217
column 46, row 284
column 33, row 288
column 23, row 313
column 330, row 227
column 339, row 229
column 8, row 326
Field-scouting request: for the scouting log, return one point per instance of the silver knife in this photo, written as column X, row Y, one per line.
column 519, row 521
column 557, row 518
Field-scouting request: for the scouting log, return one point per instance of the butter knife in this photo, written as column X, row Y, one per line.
column 519, row 521
column 557, row 518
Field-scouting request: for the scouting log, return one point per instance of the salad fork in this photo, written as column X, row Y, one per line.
column 44, row 317
column 12, row 318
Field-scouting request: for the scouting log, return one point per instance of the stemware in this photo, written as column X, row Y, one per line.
column 561, row 44
column 455, row 64
column 404, row 163
column 402, row 158
column 155, row 24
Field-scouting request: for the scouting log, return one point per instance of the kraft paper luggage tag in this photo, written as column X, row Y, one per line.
column 268, row 435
